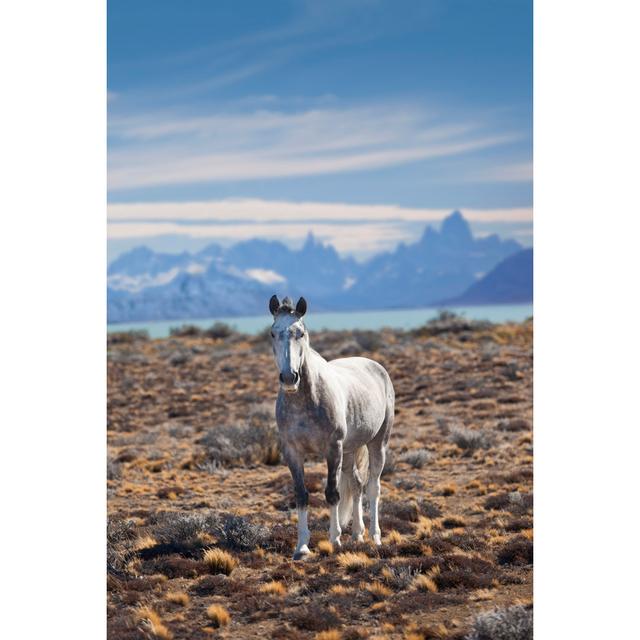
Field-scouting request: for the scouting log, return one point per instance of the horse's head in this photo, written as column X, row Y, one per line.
column 289, row 339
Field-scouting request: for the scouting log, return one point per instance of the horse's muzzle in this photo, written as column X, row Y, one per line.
column 290, row 380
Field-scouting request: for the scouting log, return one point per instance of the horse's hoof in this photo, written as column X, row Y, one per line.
column 377, row 541
column 301, row 553
column 359, row 538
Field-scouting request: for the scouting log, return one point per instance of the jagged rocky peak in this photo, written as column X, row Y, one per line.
column 455, row 227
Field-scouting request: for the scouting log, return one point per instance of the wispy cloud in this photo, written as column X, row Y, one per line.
column 256, row 210
column 160, row 149
column 517, row 172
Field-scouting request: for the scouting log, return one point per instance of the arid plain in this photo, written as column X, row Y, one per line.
column 201, row 513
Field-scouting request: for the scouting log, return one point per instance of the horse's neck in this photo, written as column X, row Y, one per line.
column 312, row 374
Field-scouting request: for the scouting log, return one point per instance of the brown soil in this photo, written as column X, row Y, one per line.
column 463, row 518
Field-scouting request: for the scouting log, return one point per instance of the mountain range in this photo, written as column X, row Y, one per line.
column 444, row 265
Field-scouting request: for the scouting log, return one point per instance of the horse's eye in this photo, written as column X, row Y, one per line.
column 273, row 335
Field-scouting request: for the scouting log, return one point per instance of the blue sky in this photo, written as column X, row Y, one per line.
column 362, row 120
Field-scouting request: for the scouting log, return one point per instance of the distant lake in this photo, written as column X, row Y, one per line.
column 342, row 320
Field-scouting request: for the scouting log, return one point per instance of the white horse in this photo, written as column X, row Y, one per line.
column 341, row 410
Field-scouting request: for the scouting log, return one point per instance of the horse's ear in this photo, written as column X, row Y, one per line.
column 274, row 305
column 301, row 307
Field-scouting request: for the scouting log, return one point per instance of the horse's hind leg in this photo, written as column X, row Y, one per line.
column 376, row 464
column 377, row 454
column 357, row 526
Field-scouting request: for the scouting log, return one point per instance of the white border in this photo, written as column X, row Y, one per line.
column 53, row 146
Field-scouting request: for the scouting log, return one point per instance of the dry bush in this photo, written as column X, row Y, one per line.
column 324, row 547
column 378, row 590
column 418, row 458
column 315, row 617
column 451, row 522
column 469, row 440
column 512, row 623
column 185, row 331
column 256, row 441
column 429, row 509
column 394, row 537
column 274, row 588
column 239, row 534
column 399, row 509
column 121, row 539
column 517, row 551
column 127, row 337
column 151, row 621
column 178, row 597
column 219, row 331
column 218, row 615
column 219, row 561
column 369, row 340
column 171, row 527
column 390, row 463
column 425, row 583
column 399, row 577
column 353, row 560
column 331, row 634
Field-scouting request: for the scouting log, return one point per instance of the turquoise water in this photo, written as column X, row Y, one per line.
column 394, row 318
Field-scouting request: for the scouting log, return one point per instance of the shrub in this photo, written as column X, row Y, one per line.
column 255, row 441
column 219, row 561
column 354, row 560
column 516, row 551
column 369, row 340
column 185, row 331
column 127, row 337
column 121, row 537
column 469, row 440
column 425, row 583
column 378, row 590
column 400, row 577
column 240, row 534
column 219, row 331
column 325, row 548
column 183, row 527
column 512, row 623
column 178, row 597
column 417, row 459
column 151, row 620
column 274, row 588
column 218, row 615
column 114, row 470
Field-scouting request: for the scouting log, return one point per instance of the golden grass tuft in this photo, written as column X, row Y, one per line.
column 448, row 489
column 331, row 634
column 425, row 583
column 352, row 561
column 218, row 615
column 424, row 528
column 339, row 590
column 274, row 588
column 394, row 537
column 145, row 542
column 325, row 548
column 376, row 589
column 219, row 561
column 150, row 619
column 178, row 597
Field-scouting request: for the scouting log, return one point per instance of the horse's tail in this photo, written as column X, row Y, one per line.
column 351, row 483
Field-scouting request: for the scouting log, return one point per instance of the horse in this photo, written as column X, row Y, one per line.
column 341, row 410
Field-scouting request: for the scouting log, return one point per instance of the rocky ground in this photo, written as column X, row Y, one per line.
column 201, row 514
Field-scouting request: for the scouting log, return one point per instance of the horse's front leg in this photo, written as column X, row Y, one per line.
column 334, row 469
column 295, row 463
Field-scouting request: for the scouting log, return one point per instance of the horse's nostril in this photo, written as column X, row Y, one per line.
column 281, row 378
column 296, row 377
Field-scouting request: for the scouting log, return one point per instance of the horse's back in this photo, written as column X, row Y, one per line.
column 364, row 370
